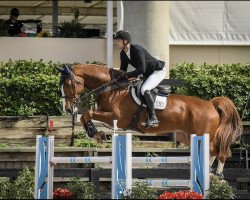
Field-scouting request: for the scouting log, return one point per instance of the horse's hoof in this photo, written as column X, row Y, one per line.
column 221, row 176
column 103, row 136
column 211, row 170
column 100, row 137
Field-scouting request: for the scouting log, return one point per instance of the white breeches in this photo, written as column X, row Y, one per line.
column 153, row 80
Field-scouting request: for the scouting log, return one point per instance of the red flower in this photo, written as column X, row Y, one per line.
column 186, row 194
column 62, row 193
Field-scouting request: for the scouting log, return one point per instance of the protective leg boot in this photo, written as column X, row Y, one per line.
column 152, row 121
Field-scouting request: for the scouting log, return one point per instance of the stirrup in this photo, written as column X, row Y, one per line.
column 153, row 123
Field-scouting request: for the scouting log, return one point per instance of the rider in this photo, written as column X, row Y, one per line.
column 152, row 69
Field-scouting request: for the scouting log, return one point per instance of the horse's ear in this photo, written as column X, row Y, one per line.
column 66, row 69
column 59, row 69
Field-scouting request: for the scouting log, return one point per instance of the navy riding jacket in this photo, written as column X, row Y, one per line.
column 141, row 60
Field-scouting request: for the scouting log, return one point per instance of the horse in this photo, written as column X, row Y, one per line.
column 183, row 114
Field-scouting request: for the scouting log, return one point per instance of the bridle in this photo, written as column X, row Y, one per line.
column 71, row 77
column 111, row 85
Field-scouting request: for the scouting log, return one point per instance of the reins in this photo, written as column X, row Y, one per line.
column 106, row 87
column 99, row 90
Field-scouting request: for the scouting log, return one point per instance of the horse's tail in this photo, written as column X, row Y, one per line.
column 230, row 127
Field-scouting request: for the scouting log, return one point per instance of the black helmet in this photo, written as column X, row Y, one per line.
column 14, row 12
column 123, row 35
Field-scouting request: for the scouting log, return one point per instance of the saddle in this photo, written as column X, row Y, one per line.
column 159, row 93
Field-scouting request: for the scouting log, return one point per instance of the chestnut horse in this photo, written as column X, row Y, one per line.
column 184, row 114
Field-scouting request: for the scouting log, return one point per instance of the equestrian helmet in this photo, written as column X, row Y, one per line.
column 123, row 35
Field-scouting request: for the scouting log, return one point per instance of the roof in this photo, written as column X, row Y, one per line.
column 92, row 13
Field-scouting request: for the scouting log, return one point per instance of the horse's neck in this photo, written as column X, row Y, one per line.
column 112, row 96
column 95, row 77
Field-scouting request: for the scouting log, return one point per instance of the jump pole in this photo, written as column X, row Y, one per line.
column 122, row 165
column 45, row 160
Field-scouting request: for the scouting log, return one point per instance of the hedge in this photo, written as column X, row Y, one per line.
column 30, row 87
column 208, row 81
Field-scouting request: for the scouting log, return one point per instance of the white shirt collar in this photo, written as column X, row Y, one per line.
column 128, row 53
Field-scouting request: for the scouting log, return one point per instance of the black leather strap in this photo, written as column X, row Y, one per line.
column 90, row 128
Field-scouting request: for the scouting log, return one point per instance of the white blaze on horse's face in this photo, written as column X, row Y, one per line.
column 72, row 91
column 69, row 95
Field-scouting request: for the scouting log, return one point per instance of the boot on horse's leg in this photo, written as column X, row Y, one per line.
column 152, row 121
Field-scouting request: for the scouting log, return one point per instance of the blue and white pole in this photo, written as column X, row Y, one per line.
column 200, row 164
column 121, row 163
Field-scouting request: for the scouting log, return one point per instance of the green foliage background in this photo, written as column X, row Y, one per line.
column 21, row 188
column 72, row 30
column 29, row 88
column 208, row 81
column 220, row 189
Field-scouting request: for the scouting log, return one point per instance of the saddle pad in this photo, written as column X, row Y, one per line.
column 160, row 101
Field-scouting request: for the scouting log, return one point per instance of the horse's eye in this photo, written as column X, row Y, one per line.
column 67, row 84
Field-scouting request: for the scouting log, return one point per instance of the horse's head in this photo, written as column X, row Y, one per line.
column 72, row 85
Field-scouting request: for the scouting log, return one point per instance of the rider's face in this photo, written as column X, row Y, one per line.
column 119, row 43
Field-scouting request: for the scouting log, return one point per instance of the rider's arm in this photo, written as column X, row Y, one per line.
column 140, row 60
column 134, row 73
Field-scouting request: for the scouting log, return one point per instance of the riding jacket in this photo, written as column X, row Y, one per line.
column 141, row 60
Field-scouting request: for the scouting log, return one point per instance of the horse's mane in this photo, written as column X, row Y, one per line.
column 92, row 72
column 83, row 66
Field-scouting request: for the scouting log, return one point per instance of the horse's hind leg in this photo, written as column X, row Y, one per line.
column 183, row 138
column 211, row 161
column 220, row 168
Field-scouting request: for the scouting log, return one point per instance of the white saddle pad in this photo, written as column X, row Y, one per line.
column 160, row 101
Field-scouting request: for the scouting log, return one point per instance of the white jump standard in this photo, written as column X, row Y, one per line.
column 122, row 160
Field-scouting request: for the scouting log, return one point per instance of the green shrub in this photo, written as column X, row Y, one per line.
column 32, row 88
column 141, row 190
column 2, row 145
column 81, row 135
column 81, row 190
column 208, row 81
column 220, row 189
column 24, row 187
column 72, row 30
column 85, row 143
column 5, row 188
column 29, row 88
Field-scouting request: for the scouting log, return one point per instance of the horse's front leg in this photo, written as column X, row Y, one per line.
column 88, row 125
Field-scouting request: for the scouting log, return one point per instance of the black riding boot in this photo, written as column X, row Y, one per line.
column 152, row 121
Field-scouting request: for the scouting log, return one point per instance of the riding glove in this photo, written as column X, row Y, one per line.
column 122, row 74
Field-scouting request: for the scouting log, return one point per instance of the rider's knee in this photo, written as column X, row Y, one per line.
column 143, row 90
